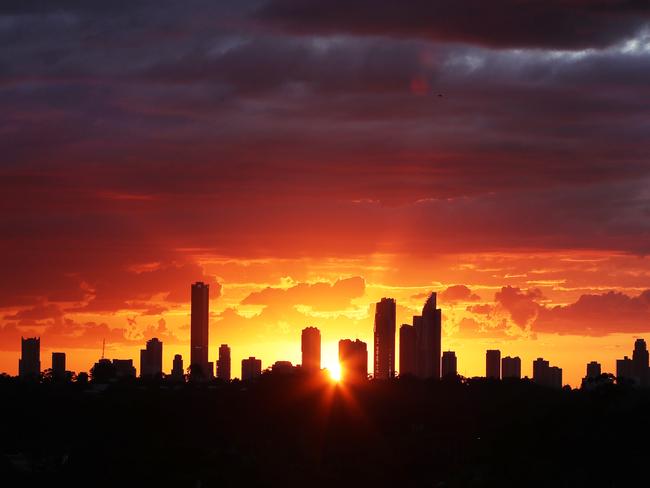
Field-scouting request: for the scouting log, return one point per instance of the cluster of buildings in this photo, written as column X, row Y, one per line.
column 420, row 354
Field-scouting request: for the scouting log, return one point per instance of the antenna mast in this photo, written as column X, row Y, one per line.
column 103, row 346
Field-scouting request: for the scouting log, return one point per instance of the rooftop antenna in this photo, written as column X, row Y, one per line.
column 103, row 346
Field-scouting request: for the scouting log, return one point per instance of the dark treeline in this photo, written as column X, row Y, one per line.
column 293, row 431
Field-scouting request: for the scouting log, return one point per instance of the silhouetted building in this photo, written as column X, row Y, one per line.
column 449, row 364
column 29, row 364
column 199, row 330
column 251, row 368
column 384, row 339
column 407, row 350
column 353, row 358
column 177, row 368
column 546, row 375
column 511, row 367
column 593, row 370
column 593, row 378
column 58, row 366
column 640, row 362
column 310, row 347
column 210, row 370
column 124, row 368
column 428, row 328
column 493, row 364
column 223, row 363
column 282, row 368
column 540, row 371
column 103, row 371
column 555, row 377
column 151, row 359
column 625, row 371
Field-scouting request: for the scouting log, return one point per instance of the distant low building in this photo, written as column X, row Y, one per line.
column 282, row 368
column 511, row 367
column 625, row 371
column 29, row 364
column 177, row 368
column 353, row 358
column 449, row 364
column 151, row 359
column 124, row 368
column 106, row 371
column 251, row 368
column 546, row 375
column 223, row 363
column 58, row 366
column 407, row 350
column 493, row 364
column 594, row 377
column 310, row 342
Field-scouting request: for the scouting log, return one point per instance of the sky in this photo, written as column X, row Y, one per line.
column 307, row 158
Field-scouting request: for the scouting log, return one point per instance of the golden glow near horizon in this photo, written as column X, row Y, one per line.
column 334, row 371
column 528, row 306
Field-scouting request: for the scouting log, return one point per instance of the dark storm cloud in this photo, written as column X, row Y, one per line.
column 571, row 24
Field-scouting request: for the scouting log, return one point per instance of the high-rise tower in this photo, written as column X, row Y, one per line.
column 407, row 350
column 429, row 337
column 199, row 329
column 384, row 365
column 310, row 347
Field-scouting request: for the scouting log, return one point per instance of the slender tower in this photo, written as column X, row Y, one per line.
column 430, row 339
column 199, row 329
column 310, row 345
column 384, row 365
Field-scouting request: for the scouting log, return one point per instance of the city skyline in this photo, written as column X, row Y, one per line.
column 419, row 349
column 305, row 170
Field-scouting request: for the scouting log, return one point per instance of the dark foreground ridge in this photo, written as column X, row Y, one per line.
column 308, row 431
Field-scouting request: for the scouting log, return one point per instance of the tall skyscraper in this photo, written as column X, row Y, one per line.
column 420, row 350
column 640, row 362
column 251, row 368
column 384, row 365
column 429, row 338
column 199, row 329
column 310, row 347
column 493, row 364
column 58, row 366
column 151, row 359
column 177, row 367
column 223, row 363
column 29, row 364
column 407, row 350
column 511, row 367
column 449, row 364
column 353, row 358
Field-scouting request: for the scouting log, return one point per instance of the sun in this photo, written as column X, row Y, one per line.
column 334, row 371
